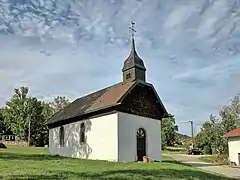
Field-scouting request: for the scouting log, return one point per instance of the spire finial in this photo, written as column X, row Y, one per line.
column 132, row 28
column 133, row 68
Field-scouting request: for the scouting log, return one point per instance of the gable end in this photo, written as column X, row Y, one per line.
column 142, row 100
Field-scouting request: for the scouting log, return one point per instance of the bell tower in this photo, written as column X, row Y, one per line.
column 133, row 68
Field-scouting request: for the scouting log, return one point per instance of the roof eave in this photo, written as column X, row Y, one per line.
column 132, row 66
column 227, row 136
column 167, row 115
column 89, row 112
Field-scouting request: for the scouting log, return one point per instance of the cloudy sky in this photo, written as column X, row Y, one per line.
column 70, row 48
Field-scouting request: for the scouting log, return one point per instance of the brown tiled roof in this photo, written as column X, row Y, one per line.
column 95, row 101
column 233, row 133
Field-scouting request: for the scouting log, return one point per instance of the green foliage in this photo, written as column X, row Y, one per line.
column 201, row 140
column 222, row 159
column 175, row 149
column 212, row 135
column 59, row 103
column 217, row 158
column 37, row 122
column 21, row 110
column 16, row 112
column 1, row 122
column 182, row 138
column 3, row 128
column 213, row 130
column 169, row 132
column 207, row 149
column 47, row 113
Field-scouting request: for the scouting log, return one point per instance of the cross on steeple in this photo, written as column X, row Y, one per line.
column 132, row 29
column 133, row 68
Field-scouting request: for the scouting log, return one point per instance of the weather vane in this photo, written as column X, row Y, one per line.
column 132, row 29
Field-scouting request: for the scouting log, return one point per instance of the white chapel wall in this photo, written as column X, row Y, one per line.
column 101, row 139
column 234, row 149
column 127, row 127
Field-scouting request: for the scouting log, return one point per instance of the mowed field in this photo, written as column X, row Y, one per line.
column 34, row 163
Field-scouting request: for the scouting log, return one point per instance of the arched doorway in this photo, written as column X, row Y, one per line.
column 141, row 144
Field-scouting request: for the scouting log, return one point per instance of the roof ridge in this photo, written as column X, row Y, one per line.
column 93, row 92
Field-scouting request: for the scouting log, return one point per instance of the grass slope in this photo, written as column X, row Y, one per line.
column 34, row 163
column 216, row 159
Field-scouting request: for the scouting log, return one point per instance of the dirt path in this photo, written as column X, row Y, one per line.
column 215, row 168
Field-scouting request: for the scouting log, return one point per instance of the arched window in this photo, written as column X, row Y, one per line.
column 82, row 133
column 141, row 132
column 141, row 144
column 61, row 136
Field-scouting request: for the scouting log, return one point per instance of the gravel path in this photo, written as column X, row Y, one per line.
column 215, row 168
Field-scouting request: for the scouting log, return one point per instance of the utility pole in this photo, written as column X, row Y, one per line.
column 192, row 133
column 29, row 122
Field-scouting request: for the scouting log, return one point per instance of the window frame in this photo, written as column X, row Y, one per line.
column 128, row 76
column 61, row 137
column 82, row 138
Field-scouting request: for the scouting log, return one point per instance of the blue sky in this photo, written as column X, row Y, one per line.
column 190, row 49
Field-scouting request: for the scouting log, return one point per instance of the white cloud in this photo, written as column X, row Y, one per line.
column 190, row 49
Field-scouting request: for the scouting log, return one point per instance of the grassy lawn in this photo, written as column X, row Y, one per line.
column 175, row 150
column 208, row 159
column 34, row 163
column 215, row 159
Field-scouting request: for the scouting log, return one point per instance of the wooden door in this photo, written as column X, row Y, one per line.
column 141, row 144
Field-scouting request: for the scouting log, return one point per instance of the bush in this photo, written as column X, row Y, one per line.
column 207, row 150
column 2, row 146
column 175, row 149
column 222, row 159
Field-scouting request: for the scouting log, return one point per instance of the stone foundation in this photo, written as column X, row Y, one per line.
column 16, row 143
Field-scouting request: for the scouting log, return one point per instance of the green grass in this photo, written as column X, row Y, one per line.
column 208, row 159
column 175, row 150
column 216, row 159
column 34, row 163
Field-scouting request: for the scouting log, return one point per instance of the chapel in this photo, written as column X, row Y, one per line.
column 117, row 123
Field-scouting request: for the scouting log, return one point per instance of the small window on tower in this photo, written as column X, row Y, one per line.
column 128, row 76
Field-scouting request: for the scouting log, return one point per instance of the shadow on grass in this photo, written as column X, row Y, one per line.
column 39, row 157
column 125, row 174
column 43, row 157
column 202, row 164
column 175, row 162
column 139, row 173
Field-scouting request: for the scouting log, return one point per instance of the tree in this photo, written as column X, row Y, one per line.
column 20, row 110
column 169, row 131
column 47, row 112
column 207, row 149
column 59, row 103
column 201, row 140
column 182, row 139
column 21, row 93
column 230, row 114
column 213, row 130
column 2, row 127
column 15, row 113
column 37, row 121
column 207, row 135
column 230, row 119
